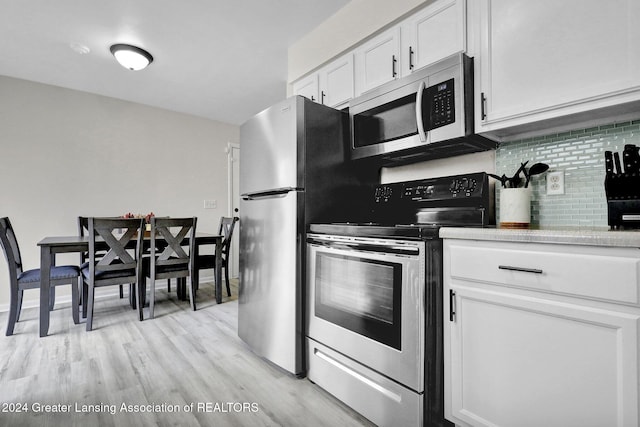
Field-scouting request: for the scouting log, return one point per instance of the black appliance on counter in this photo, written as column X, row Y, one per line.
column 622, row 187
column 374, row 298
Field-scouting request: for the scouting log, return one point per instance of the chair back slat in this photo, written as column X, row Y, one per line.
column 83, row 230
column 227, row 225
column 172, row 232
column 114, row 235
column 10, row 248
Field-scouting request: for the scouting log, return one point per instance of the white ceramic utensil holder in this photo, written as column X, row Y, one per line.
column 515, row 207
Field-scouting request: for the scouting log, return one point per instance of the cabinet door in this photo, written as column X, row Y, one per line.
column 547, row 58
column 521, row 361
column 378, row 60
column 336, row 82
column 434, row 33
column 307, row 87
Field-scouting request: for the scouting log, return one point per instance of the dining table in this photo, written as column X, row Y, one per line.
column 52, row 245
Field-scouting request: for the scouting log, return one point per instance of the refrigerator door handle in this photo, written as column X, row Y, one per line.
column 269, row 194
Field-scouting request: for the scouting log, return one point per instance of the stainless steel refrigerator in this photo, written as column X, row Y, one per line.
column 293, row 171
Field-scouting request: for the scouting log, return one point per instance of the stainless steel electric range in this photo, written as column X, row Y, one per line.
column 374, row 298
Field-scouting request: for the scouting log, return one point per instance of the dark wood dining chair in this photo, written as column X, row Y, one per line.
column 19, row 279
column 118, row 265
column 169, row 259
column 83, row 228
column 206, row 261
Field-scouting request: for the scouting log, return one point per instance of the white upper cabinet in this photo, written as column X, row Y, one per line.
column 547, row 59
column 337, row 82
column 378, row 60
column 435, row 32
column 307, row 87
column 333, row 85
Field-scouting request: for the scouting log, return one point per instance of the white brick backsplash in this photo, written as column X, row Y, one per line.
column 580, row 153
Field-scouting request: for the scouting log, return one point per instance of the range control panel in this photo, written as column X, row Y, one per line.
column 443, row 189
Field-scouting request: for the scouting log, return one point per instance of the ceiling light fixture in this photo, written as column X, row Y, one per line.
column 131, row 57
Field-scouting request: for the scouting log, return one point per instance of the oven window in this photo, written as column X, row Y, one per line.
column 360, row 294
column 394, row 120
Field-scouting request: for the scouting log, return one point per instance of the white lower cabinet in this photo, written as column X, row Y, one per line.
column 521, row 350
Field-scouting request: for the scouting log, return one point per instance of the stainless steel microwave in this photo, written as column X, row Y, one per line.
column 428, row 114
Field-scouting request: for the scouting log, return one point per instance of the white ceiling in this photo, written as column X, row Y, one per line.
column 220, row 59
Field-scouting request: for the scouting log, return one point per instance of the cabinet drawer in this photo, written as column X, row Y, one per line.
column 610, row 274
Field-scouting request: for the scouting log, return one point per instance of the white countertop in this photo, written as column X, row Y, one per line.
column 592, row 236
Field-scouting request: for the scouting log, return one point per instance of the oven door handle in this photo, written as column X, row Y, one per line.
column 421, row 133
column 367, row 247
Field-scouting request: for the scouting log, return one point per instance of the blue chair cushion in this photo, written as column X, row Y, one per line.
column 103, row 275
column 57, row 272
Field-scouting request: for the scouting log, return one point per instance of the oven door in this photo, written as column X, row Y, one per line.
column 366, row 300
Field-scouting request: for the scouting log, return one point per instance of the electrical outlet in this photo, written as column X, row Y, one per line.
column 555, row 182
column 210, row 204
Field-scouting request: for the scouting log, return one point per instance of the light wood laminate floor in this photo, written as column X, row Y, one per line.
column 191, row 365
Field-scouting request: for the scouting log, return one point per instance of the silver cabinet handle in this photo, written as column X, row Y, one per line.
column 452, row 305
column 483, row 106
column 522, row 269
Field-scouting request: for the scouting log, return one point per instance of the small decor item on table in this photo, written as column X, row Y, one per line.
column 515, row 196
column 147, row 220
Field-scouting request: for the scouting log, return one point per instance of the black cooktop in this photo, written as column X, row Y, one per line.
column 417, row 209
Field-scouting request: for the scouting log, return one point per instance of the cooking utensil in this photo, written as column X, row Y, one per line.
column 535, row 169
column 503, row 179
column 514, row 181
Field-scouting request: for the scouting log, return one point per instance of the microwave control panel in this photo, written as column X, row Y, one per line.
column 440, row 100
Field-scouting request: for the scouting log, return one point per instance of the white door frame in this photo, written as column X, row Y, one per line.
column 231, row 197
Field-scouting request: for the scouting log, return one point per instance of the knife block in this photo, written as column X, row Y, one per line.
column 623, row 199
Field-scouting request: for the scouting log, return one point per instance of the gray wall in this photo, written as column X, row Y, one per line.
column 67, row 153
